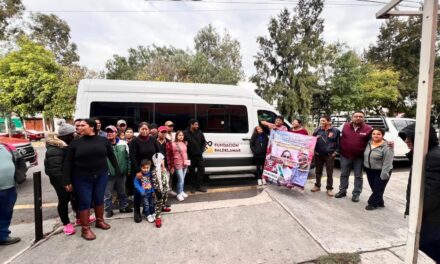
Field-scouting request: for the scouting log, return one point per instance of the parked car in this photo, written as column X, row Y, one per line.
column 24, row 147
column 34, row 134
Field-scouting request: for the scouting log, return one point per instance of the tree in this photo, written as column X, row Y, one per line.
column 216, row 60
column 345, row 84
column 288, row 58
column 9, row 9
column 379, row 88
column 220, row 56
column 54, row 33
column 32, row 82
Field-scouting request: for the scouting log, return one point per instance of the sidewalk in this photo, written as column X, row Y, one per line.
column 276, row 225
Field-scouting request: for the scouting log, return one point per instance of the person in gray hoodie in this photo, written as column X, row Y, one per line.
column 378, row 164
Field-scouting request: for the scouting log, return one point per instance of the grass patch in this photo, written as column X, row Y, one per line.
column 340, row 258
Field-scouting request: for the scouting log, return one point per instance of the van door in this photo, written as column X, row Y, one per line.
column 227, row 132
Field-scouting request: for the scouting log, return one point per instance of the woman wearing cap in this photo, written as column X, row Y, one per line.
column 56, row 148
column 86, row 173
column 166, row 148
column 142, row 147
column 170, row 127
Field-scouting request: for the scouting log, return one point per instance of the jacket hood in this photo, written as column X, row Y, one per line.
column 410, row 132
column 53, row 140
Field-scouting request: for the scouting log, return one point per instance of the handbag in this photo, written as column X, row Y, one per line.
column 19, row 163
column 186, row 162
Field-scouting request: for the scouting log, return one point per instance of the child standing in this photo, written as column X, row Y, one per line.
column 161, row 186
column 145, row 188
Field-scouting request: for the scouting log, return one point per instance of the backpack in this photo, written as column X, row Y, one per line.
column 19, row 163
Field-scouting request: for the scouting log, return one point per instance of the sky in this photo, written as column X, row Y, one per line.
column 101, row 28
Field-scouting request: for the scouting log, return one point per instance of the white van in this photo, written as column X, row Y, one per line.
column 227, row 114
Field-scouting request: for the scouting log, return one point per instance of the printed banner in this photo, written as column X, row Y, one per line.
column 288, row 158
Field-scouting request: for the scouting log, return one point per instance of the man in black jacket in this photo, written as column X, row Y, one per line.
column 196, row 147
column 430, row 228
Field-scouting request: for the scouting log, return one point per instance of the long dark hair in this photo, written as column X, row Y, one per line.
column 255, row 134
column 91, row 123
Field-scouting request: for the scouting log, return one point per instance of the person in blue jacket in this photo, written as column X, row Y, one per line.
column 145, row 188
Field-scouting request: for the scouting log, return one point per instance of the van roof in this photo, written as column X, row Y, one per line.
column 119, row 86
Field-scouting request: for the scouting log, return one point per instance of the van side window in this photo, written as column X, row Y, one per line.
column 110, row 113
column 180, row 114
column 222, row 118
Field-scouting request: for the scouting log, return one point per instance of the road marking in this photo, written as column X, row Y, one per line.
column 31, row 206
column 215, row 190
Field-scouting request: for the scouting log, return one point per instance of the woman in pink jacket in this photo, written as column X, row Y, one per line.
column 181, row 163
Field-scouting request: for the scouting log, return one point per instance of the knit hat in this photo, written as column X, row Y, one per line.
column 64, row 128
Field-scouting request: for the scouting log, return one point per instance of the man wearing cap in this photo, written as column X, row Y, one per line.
column 170, row 127
column 196, row 146
column 120, row 149
column 121, row 125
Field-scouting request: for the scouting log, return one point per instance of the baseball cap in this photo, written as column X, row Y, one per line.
column 162, row 129
column 112, row 128
column 169, row 123
column 121, row 121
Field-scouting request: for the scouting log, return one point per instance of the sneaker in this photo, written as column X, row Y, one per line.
column 264, row 181
column 69, row 229
column 180, row 197
column 330, row 193
column 158, row 222
column 184, row 195
column 150, row 218
column 315, row 189
column 9, row 241
column 355, row 199
column 109, row 214
column 370, row 207
column 260, row 182
column 340, row 194
column 92, row 219
column 202, row 189
column 166, row 209
column 172, row 193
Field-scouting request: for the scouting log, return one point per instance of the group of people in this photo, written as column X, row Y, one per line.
column 361, row 147
column 87, row 164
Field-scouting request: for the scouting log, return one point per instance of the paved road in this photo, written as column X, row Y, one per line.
column 224, row 189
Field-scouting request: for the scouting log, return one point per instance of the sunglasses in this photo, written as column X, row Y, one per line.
column 122, row 125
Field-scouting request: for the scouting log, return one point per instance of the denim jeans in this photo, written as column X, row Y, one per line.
column 8, row 198
column 148, row 204
column 117, row 183
column 346, row 166
column 89, row 188
column 180, row 179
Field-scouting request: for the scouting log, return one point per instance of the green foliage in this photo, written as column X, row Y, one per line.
column 9, row 9
column 289, row 57
column 346, row 82
column 31, row 81
column 217, row 60
column 54, row 33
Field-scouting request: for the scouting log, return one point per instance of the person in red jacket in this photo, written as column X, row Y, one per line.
column 354, row 139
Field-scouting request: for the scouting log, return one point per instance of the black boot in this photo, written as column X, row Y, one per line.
column 137, row 215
